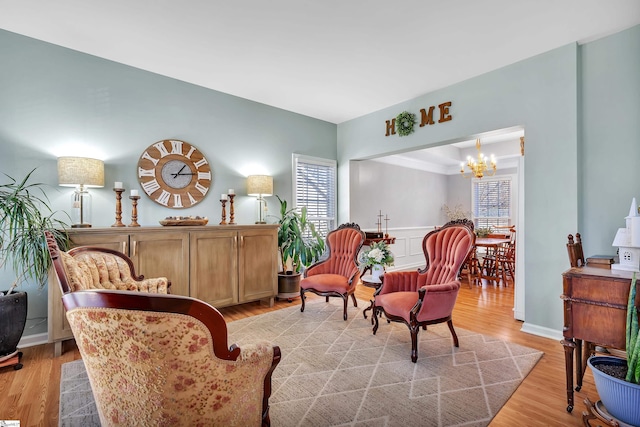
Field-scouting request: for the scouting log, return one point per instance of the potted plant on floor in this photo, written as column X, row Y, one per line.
column 299, row 245
column 24, row 217
column 617, row 380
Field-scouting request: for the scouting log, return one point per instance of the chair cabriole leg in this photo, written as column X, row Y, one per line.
column 453, row 333
column 375, row 319
column 414, row 342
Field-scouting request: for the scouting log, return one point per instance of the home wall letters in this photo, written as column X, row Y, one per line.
column 426, row 117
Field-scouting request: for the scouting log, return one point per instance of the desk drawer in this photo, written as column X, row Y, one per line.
column 614, row 292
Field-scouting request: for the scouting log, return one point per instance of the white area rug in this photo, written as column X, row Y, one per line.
column 337, row 373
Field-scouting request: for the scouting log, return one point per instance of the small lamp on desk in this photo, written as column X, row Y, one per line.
column 82, row 173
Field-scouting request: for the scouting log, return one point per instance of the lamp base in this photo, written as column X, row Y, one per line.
column 80, row 225
column 261, row 222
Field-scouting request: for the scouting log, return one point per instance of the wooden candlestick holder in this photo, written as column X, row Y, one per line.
column 134, row 211
column 231, row 213
column 118, row 222
column 224, row 212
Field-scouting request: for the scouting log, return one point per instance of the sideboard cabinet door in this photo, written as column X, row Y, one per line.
column 116, row 241
column 163, row 254
column 258, row 264
column 214, row 267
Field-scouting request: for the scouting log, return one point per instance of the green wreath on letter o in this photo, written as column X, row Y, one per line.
column 405, row 122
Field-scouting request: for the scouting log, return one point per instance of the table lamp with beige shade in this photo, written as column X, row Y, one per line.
column 260, row 186
column 82, row 173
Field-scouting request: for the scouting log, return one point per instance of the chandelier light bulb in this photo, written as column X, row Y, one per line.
column 479, row 168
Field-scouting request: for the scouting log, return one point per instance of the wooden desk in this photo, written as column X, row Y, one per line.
column 595, row 311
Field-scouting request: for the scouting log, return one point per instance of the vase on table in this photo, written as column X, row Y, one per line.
column 377, row 270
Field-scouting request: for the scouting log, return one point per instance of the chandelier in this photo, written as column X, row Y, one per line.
column 479, row 167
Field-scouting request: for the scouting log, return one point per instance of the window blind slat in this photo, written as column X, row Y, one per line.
column 492, row 202
column 314, row 187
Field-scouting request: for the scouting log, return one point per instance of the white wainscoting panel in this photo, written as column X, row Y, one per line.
column 407, row 249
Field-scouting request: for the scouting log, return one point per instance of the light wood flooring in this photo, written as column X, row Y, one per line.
column 31, row 394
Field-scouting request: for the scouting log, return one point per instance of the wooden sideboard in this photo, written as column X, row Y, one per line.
column 221, row 265
column 595, row 311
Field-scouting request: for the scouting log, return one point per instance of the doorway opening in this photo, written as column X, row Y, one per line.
column 410, row 189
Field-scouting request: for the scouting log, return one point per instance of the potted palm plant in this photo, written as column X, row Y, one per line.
column 24, row 217
column 617, row 380
column 299, row 245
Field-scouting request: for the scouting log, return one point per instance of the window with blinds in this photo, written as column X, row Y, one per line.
column 491, row 201
column 314, row 186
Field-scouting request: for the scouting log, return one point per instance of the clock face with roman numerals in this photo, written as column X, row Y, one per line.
column 174, row 173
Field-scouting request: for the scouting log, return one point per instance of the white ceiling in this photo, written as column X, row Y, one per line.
column 329, row 59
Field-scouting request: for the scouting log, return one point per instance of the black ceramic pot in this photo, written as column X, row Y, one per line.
column 289, row 285
column 13, row 312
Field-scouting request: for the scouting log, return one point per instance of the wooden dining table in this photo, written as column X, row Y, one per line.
column 493, row 243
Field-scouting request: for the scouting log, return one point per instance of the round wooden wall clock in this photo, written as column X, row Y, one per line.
column 174, row 173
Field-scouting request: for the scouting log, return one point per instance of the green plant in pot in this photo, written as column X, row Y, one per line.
column 25, row 215
column 617, row 380
column 299, row 245
column 483, row 232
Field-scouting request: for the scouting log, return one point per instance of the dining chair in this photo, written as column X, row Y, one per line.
column 507, row 261
column 427, row 296
column 574, row 249
column 473, row 268
column 492, row 264
column 338, row 274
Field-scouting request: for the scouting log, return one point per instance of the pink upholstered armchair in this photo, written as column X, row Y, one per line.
column 337, row 275
column 157, row 360
column 425, row 297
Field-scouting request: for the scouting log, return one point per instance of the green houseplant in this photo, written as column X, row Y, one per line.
column 299, row 245
column 25, row 215
column 618, row 380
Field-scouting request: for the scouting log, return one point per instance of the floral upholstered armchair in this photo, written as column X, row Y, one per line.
column 425, row 297
column 163, row 360
column 88, row 267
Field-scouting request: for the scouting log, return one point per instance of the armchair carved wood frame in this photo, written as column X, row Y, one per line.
column 170, row 352
column 338, row 274
column 427, row 296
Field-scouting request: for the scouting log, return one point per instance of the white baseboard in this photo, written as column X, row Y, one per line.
column 31, row 340
column 540, row 331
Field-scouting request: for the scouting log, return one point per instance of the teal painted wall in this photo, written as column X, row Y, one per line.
column 610, row 137
column 55, row 101
column 579, row 107
column 538, row 94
